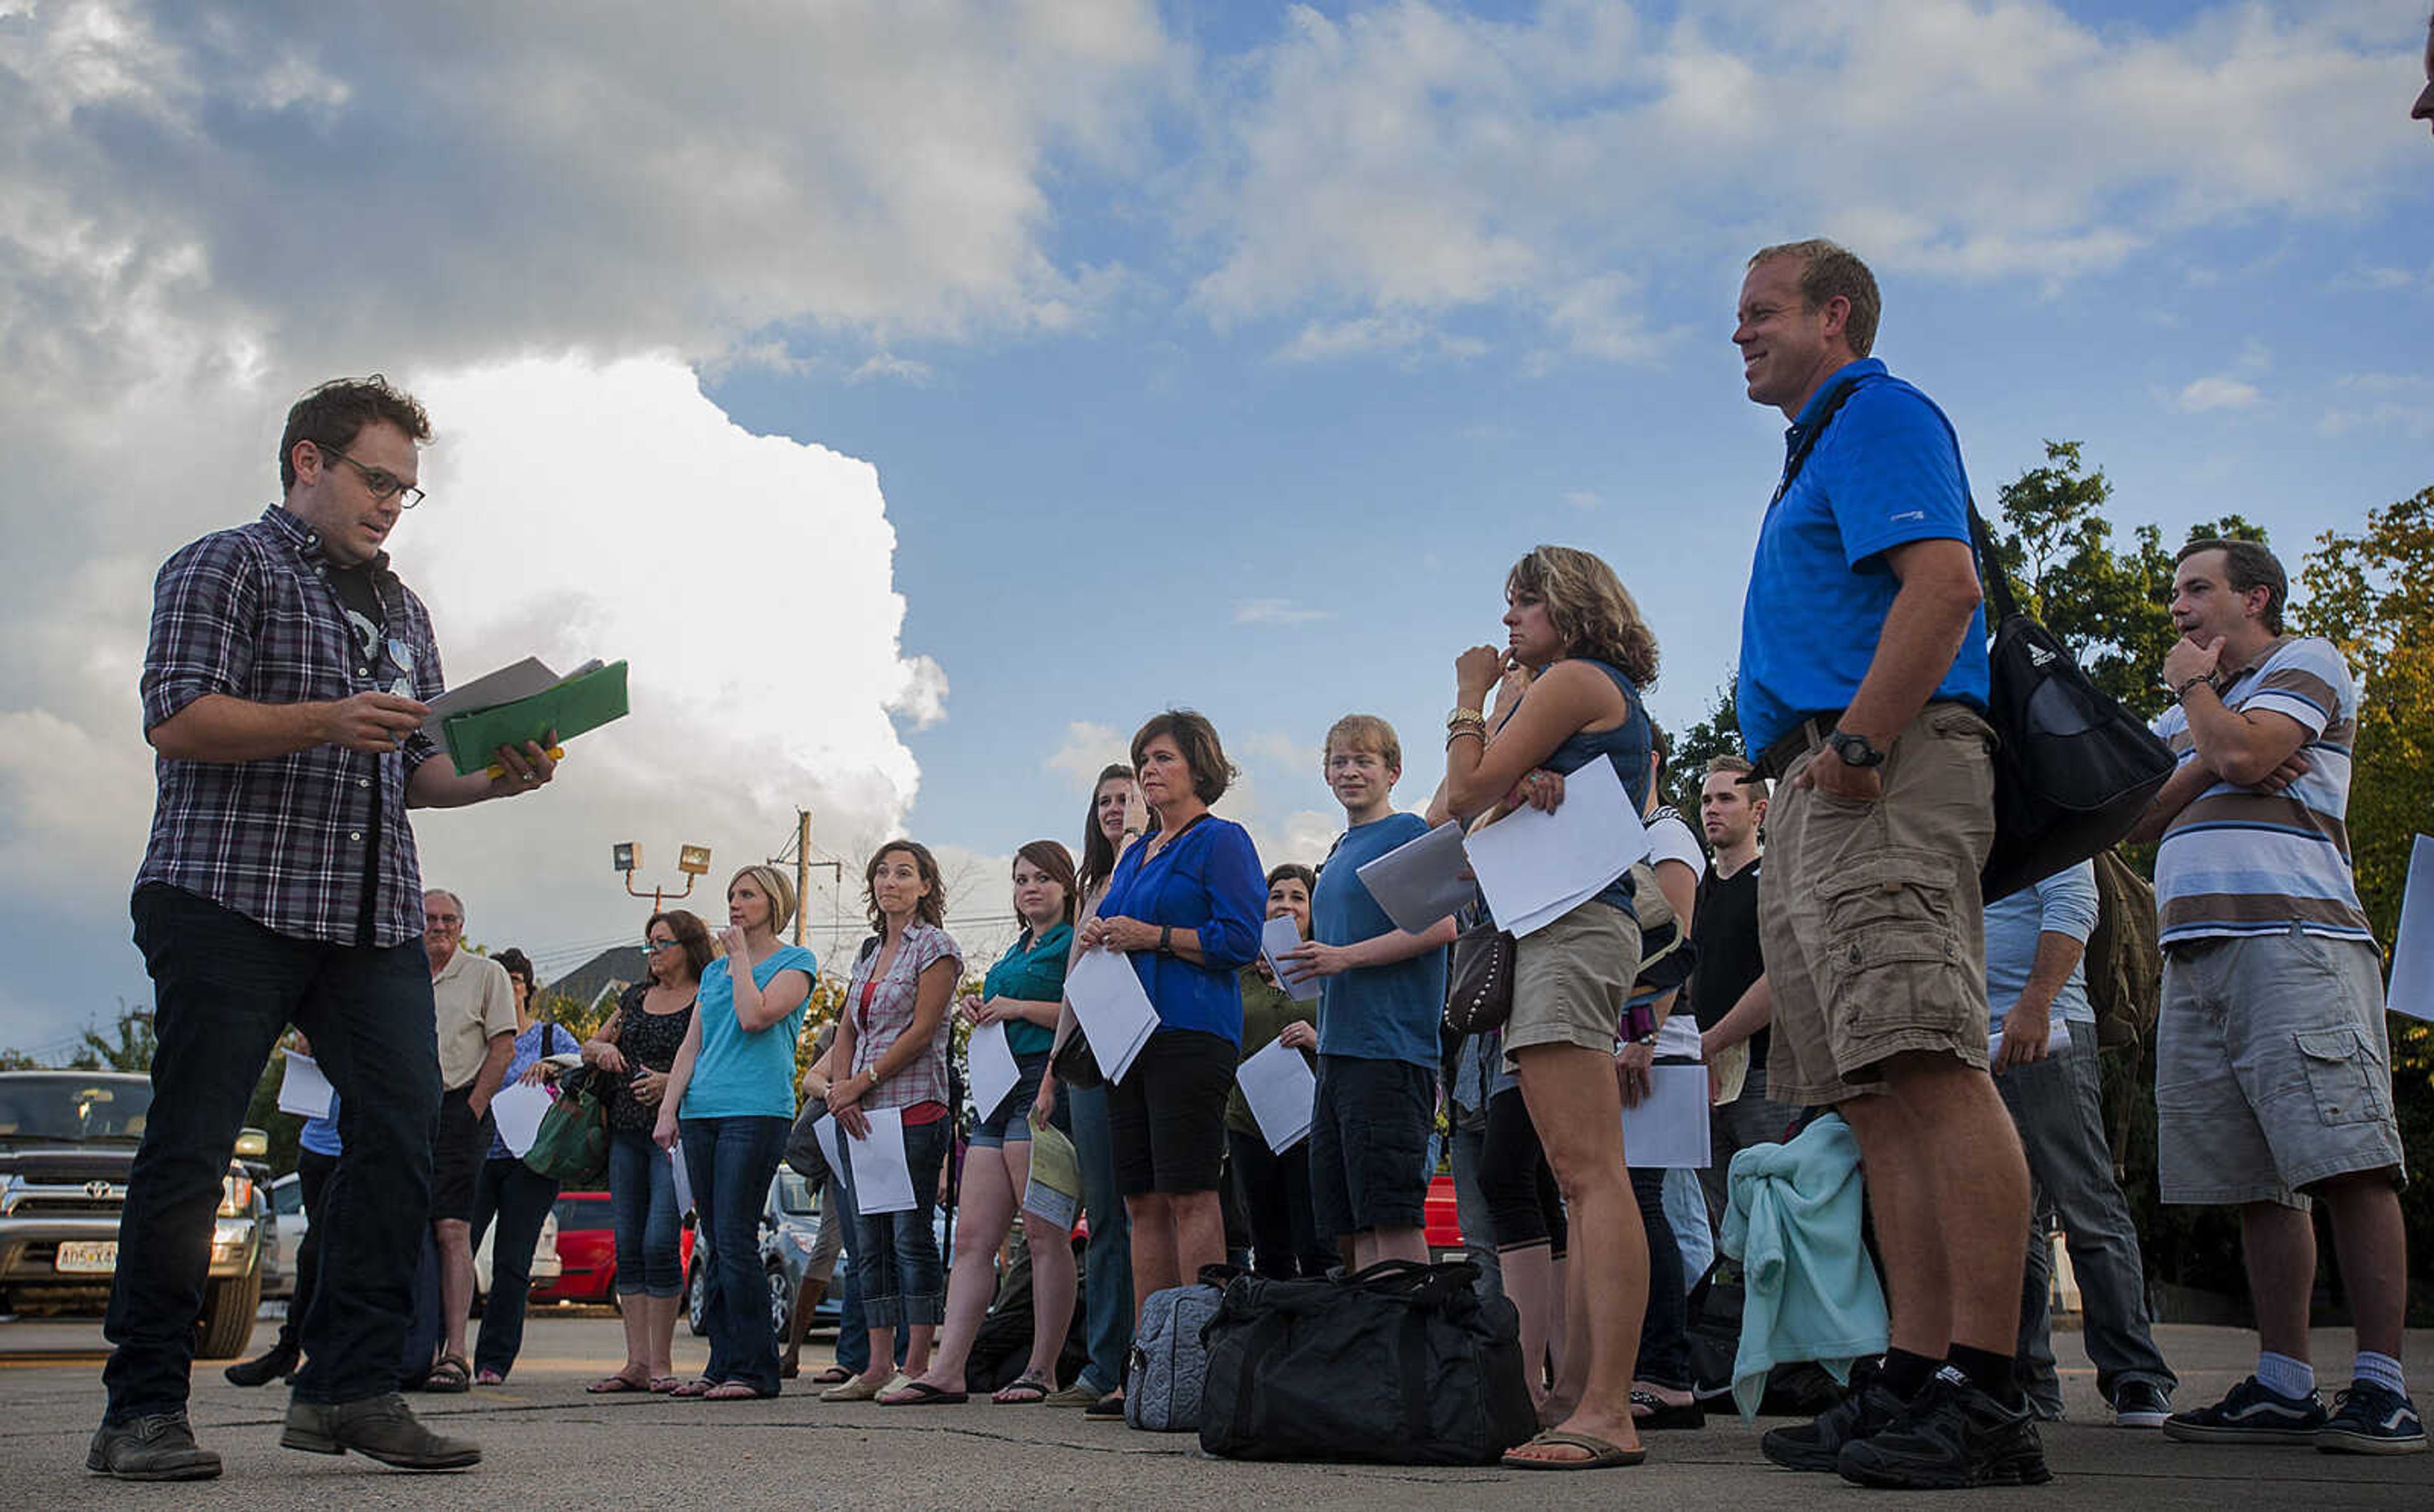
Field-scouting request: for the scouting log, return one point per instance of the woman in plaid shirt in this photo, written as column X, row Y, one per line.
column 893, row 1033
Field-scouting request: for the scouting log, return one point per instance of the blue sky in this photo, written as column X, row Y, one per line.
column 920, row 399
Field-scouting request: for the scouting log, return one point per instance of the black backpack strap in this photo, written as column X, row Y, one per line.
column 1808, row 441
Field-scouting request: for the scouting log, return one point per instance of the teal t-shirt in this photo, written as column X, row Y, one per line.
column 741, row 1075
column 1375, row 1013
column 1034, row 971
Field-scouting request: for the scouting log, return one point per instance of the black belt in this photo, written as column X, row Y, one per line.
column 1806, row 735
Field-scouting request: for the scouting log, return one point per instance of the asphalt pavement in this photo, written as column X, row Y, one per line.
column 548, row 1444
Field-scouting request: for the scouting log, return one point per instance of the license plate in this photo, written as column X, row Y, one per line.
column 87, row 1257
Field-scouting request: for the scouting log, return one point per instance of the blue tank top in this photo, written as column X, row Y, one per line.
column 1627, row 746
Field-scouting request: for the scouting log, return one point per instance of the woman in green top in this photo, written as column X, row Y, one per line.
column 1274, row 1188
column 1023, row 990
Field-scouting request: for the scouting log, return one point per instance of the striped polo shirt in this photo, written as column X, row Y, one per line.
column 2240, row 862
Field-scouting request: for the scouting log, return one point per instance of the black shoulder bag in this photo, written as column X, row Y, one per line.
column 2073, row 770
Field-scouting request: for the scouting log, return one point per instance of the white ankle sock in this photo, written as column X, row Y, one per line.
column 2285, row 1376
column 2382, row 1369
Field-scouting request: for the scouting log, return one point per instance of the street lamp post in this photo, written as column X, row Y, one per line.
column 692, row 860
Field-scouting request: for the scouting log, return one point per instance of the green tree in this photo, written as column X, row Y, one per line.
column 1718, row 733
column 130, row 1046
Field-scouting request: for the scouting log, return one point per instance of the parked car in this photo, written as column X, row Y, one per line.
column 545, row 1267
column 587, row 1251
column 1442, row 1221
column 287, row 1226
column 67, row 1140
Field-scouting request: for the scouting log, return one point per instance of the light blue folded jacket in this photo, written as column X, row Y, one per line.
column 1811, row 1292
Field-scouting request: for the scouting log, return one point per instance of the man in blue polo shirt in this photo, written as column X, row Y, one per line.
column 1863, row 688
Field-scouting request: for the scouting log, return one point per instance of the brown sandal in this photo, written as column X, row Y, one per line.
column 610, row 1384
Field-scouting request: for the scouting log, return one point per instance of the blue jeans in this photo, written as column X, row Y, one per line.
column 518, row 1197
column 729, row 1162
column 642, row 1209
column 1108, row 1266
column 224, row 990
column 1686, row 1208
column 1470, row 1204
column 2055, row 1105
column 898, row 1274
column 1664, row 1337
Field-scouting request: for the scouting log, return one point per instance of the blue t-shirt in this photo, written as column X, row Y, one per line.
column 1887, row 471
column 320, row 1136
column 1208, row 879
column 1374, row 1012
column 739, row 1075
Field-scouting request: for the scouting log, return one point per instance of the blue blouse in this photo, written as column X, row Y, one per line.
column 1206, row 879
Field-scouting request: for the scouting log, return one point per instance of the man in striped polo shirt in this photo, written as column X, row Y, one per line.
column 2272, row 1070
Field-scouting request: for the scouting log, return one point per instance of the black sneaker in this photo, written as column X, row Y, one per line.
column 2250, row 1413
column 380, row 1428
column 2140, row 1404
column 2373, row 1419
column 1952, row 1439
column 277, row 1363
column 158, row 1447
column 1814, row 1446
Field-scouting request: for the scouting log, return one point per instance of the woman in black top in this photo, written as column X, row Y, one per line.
column 630, row 1057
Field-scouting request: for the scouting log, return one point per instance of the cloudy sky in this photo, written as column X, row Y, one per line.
column 919, row 395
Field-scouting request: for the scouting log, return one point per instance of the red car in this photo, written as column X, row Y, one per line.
column 587, row 1248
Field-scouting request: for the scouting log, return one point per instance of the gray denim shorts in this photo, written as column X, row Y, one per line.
column 2273, row 1068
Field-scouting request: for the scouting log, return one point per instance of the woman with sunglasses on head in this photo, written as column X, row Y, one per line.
column 892, row 1036
column 630, row 1059
column 1569, row 617
column 731, row 1094
column 507, row 1190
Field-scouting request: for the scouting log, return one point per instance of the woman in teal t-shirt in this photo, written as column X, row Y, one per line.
column 1023, row 991
column 732, row 1095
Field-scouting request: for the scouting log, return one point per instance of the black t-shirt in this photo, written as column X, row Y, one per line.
column 1729, row 960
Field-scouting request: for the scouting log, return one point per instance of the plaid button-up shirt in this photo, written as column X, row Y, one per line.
column 882, row 1008
column 290, row 841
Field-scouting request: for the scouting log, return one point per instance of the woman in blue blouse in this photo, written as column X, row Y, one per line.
column 732, row 1094
column 1023, row 992
column 1185, row 903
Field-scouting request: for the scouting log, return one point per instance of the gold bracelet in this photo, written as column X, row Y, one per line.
column 1466, row 719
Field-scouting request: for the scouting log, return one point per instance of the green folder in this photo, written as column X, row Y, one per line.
column 580, row 704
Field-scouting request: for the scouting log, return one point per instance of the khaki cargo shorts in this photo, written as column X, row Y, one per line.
column 1869, row 915
column 2273, row 1069
column 1571, row 979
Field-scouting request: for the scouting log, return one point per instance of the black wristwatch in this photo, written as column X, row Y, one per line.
column 1166, row 940
column 1855, row 750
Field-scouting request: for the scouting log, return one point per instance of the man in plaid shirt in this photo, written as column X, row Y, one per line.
column 285, row 692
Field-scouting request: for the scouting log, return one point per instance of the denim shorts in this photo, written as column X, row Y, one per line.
column 2272, row 1071
column 1010, row 1123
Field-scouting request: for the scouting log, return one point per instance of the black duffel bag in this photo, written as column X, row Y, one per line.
column 1399, row 1364
column 2075, row 770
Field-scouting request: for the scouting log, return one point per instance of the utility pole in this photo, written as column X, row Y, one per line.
column 803, row 864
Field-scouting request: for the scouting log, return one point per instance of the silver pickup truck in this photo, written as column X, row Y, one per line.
column 67, row 1140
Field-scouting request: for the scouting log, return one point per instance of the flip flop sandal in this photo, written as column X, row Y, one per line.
column 1602, row 1455
column 663, row 1384
column 922, row 1394
column 489, row 1377
column 835, row 1375
column 1025, row 1391
column 735, row 1391
column 609, row 1385
column 696, row 1387
column 856, row 1390
column 1649, row 1411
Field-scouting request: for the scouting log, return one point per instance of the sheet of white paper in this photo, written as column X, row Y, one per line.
column 1113, row 1008
column 2055, row 1040
column 1278, row 936
column 1421, row 880
column 684, row 1178
column 1277, row 1084
column 519, row 1107
column 1668, row 1128
column 825, row 1130
column 304, row 1091
column 521, row 680
column 883, row 1180
column 2412, row 949
column 994, row 1072
column 1528, row 862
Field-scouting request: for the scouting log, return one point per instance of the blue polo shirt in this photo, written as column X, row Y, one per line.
column 1887, row 471
column 1374, row 1012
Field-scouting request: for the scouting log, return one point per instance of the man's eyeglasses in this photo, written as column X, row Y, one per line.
column 383, row 483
